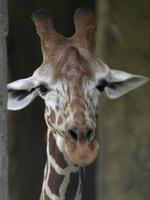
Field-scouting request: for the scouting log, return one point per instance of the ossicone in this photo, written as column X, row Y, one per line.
column 85, row 26
column 50, row 39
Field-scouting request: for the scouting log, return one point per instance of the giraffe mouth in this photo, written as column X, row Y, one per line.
column 82, row 154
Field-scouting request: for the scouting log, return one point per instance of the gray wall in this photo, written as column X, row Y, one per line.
column 123, row 43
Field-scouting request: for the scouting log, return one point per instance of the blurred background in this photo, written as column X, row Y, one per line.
column 122, row 171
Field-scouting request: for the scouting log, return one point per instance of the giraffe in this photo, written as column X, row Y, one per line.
column 70, row 80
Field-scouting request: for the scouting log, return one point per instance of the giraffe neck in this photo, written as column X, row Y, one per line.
column 62, row 179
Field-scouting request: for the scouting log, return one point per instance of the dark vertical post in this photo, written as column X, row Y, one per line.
column 3, row 100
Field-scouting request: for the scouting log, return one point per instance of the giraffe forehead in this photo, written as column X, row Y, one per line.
column 73, row 66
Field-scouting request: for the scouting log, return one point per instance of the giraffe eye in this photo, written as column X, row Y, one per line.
column 102, row 85
column 43, row 89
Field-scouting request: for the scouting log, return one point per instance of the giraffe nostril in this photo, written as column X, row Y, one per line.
column 73, row 136
column 90, row 135
column 83, row 135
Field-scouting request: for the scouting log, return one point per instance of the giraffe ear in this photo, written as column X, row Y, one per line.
column 21, row 93
column 120, row 83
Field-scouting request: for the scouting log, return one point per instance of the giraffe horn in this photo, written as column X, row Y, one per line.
column 45, row 29
column 85, row 26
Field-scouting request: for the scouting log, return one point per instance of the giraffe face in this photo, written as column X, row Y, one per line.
column 71, row 106
column 70, row 85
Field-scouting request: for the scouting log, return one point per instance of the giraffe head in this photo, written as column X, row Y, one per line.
column 70, row 80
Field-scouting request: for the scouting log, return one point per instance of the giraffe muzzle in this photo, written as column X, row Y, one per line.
column 81, row 146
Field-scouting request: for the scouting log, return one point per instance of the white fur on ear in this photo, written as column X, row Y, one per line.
column 120, row 83
column 21, row 93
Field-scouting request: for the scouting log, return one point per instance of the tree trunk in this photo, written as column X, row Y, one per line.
column 3, row 100
column 124, row 170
